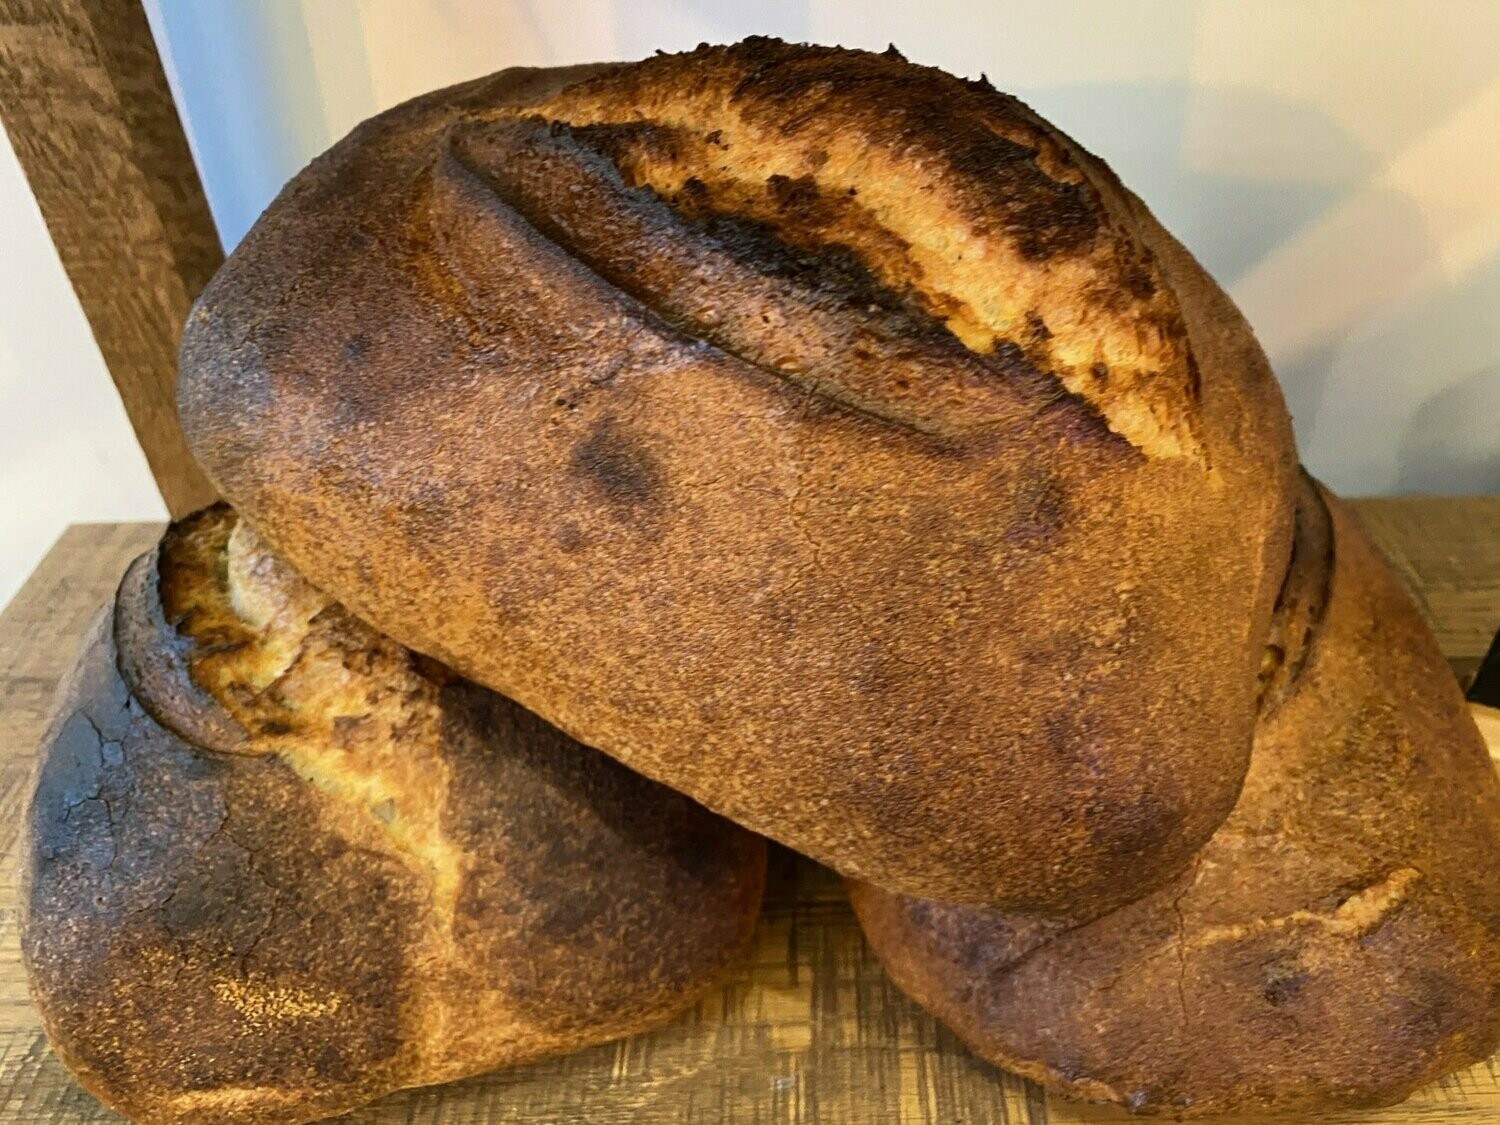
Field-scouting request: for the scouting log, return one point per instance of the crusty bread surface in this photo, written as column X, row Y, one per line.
column 825, row 436
column 1337, row 942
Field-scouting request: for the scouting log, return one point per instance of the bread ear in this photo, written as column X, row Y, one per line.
column 153, row 659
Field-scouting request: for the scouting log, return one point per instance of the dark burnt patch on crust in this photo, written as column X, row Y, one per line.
column 1285, row 982
column 1046, row 217
column 1037, row 507
column 1131, row 829
column 1048, row 211
column 618, row 467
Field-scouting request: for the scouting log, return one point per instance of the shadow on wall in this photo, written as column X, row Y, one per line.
column 1207, row 162
column 1452, row 434
column 1452, row 437
column 1401, row 405
column 1335, row 267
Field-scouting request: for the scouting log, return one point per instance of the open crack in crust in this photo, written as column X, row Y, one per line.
column 349, row 711
column 1333, row 944
column 935, row 199
column 1301, row 602
column 279, row 866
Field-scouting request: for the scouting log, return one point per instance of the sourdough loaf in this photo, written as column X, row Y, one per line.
column 278, row 866
column 825, row 436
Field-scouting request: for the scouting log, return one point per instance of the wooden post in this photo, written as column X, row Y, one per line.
column 86, row 104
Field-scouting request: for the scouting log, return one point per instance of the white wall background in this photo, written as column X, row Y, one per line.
column 66, row 449
column 1335, row 163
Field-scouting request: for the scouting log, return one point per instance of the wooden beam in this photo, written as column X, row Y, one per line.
column 86, row 104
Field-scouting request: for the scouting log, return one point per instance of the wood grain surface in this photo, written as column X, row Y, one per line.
column 806, row 1029
column 88, row 109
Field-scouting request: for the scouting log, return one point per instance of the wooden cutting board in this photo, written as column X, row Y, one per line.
column 806, row 1029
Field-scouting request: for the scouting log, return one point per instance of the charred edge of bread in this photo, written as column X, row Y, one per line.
column 826, row 183
column 1303, row 598
column 154, row 659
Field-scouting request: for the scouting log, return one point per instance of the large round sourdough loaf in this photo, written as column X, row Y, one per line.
column 823, row 435
column 278, row 866
column 1337, row 942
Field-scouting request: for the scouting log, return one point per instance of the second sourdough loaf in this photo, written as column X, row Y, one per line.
column 825, row 436
column 277, row 866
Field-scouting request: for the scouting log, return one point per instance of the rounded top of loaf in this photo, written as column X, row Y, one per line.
column 948, row 198
column 826, row 436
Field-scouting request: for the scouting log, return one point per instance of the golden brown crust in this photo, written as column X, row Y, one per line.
column 397, row 879
column 1336, row 943
column 842, row 573
column 947, row 191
